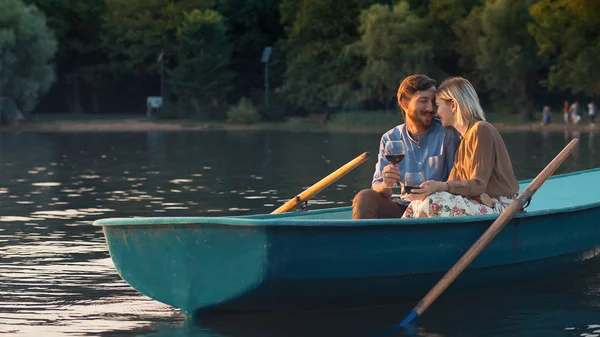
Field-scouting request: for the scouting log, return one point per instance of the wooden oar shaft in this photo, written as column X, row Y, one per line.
column 323, row 183
column 489, row 234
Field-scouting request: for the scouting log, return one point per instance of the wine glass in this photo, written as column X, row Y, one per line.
column 394, row 151
column 412, row 180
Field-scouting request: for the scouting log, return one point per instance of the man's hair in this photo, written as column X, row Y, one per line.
column 410, row 86
column 461, row 91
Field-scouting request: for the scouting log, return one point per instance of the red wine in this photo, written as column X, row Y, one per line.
column 409, row 189
column 394, row 158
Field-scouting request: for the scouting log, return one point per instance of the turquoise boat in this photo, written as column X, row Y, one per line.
column 322, row 259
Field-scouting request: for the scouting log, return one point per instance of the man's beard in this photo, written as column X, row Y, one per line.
column 419, row 123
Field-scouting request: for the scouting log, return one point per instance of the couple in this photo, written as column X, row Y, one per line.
column 463, row 158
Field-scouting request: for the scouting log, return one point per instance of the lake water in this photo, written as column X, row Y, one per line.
column 57, row 279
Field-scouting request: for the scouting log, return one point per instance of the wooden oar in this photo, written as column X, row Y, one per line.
column 488, row 236
column 322, row 184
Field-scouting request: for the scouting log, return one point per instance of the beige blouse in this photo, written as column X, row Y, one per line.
column 482, row 164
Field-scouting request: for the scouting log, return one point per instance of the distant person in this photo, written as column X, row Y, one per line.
column 482, row 180
column 430, row 149
column 592, row 110
column 546, row 116
column 575, row 112
column 566, row 112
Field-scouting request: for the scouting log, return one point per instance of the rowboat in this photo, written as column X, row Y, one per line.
column 320, row 259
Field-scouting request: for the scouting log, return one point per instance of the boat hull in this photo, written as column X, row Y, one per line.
column 203, row 266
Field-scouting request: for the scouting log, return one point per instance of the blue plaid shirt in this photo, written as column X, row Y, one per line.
column 433, row 154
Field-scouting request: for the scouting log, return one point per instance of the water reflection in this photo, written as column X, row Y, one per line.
column 57, row 278
column 557, row 308
column 62, row 282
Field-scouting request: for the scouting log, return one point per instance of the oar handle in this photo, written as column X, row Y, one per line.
column 489, row 234
column 322, row 184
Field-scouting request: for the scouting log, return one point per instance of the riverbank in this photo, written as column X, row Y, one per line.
column 133, row 123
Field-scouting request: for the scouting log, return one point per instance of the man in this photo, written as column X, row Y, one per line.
column 430, row 149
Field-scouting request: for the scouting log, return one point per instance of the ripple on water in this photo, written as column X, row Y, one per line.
column 180, row 181
column 57, row 278
column 78, row 295
column 7, row 218
column 47, row 184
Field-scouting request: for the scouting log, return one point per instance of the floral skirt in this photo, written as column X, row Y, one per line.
column 443, row 204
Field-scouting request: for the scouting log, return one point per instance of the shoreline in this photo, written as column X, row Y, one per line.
column 142, row 124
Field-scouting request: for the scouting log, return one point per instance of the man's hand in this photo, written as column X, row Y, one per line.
column 390, row 175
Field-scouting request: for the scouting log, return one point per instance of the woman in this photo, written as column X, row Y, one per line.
column 482, row 179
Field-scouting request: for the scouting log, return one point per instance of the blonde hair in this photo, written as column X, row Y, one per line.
column 461, row 91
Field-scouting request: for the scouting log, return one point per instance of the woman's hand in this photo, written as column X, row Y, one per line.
column 428, row 187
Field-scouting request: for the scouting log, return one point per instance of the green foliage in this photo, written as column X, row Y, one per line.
column 204, row 53
column 27, row 48
column 443, row 16
column 568, row 31
column 394, row 43
column 251, row 26
column 137, row 31
column 508, row 55
column 243, row 113
column 468, row 31
column 272, row 112
column 327, row 54
column 317, row 31
column 78, row 28
column 77, row 24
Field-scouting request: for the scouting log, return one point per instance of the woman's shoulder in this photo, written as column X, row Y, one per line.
column 484, row 130
column 485, row 126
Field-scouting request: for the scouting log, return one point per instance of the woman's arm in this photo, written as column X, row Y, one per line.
column 478, row 163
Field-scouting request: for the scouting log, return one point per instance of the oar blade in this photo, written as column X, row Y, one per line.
column 407, row 326
column 410, row 318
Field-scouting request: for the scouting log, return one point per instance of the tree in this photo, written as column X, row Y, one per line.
column 253, row 25
column 27, row 48
column 317, row 31
column 137, row 31
column 443, row 16
column 568, row 32
column 468, row 31
column 508, row 55
column 77, row 25
column 394, row 43
column 203, row 56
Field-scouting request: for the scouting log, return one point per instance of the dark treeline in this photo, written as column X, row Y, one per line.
column 348, row 54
